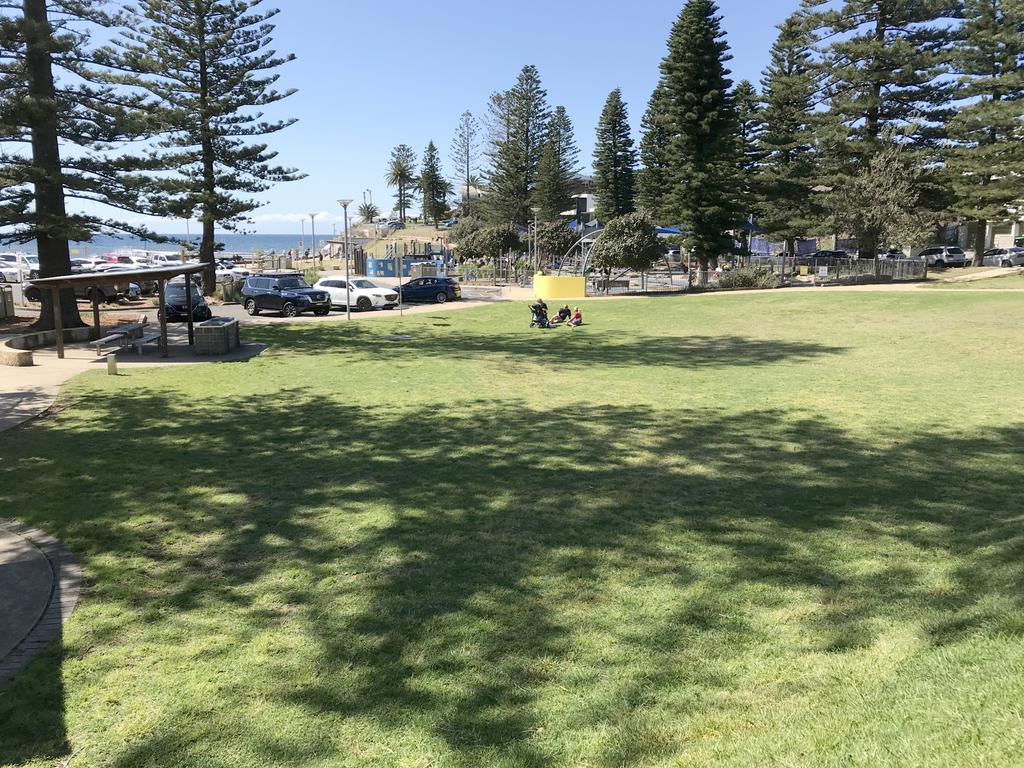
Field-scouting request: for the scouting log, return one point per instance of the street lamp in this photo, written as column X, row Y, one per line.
column 536, row 244
column 312, row 239
column 348, row 297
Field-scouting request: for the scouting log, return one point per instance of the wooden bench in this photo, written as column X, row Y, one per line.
column 146, row 338
column 108, row 341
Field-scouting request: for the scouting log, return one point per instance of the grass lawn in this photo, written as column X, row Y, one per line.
column 749, row 530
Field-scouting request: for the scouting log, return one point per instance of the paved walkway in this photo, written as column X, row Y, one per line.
column 40, row 582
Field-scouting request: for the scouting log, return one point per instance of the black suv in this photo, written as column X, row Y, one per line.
column 284, row 292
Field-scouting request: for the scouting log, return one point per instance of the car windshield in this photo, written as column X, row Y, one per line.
column 291, row 283
column 363, row 284
column 32, row 259
column 178, row 290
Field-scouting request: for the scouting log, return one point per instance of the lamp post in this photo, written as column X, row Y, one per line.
column 312, row 240
column 536, row 243
column 348, row 295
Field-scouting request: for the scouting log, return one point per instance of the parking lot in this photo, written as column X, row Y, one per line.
column 473, row 296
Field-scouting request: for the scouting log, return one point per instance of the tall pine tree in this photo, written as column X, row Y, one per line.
column 515, row 156
column 614, row 161
column 434, row 187
column 985, row 165
column 558, row 169
column 705, row 194
column 213, row 69
column 59, row 104
column 787, row 208
column 884, row 73
column 654, row 178
column 751, row 156
column 465, row 153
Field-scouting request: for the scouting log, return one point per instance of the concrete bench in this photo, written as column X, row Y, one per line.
column 148, row 338
column 108, row 341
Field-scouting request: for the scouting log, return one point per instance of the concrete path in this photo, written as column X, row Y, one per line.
column 40, row 583
column 25, row 585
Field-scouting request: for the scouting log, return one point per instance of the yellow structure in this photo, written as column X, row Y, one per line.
column 559, row 287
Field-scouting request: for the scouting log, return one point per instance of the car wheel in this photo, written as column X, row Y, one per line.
column 441, row 298
column 320, row 312
column 364, row 304
column 289, row 310
column 940, row 264
column 251, row 308
column 33, row 274
column 1006, row 263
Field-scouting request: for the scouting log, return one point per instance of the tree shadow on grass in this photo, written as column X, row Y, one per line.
column 462, row 579
column 555, row 348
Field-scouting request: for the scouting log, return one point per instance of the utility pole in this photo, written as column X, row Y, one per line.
column 348, row 288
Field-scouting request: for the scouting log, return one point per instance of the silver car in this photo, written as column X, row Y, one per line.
column 1003, row 257
column 943, row 256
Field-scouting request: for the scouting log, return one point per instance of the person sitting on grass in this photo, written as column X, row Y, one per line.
column 540, row 314
column 563, row 315
column 576, row 319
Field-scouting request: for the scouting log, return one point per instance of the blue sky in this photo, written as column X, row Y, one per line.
column 373, row 75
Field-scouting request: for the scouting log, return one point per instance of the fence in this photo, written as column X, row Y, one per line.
column 836, row 270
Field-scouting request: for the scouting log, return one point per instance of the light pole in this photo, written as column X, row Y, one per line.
column 348, row 295
column 536, row 243
column 312, row 240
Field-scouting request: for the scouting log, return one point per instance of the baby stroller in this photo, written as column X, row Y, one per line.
column 540, row 315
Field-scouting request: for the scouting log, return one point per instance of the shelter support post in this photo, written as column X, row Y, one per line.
column 97, row 333
column 161, row 288
column 58, row 322
column 188, row 303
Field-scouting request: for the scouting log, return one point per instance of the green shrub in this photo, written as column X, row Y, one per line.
column 749, row 277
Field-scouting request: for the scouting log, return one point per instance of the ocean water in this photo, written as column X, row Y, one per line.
column 233, row 243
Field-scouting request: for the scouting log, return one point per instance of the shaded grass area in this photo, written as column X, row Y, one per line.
column 737, row 531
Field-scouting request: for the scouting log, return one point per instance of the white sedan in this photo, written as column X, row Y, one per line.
column 360, row 293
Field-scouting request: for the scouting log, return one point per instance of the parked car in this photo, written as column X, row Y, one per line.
column 165, row 259
column 148, row 287
column 819, row 258
column 27, row 266
column 396, row 224
column 9, row 272
column 1003, row 257
column 107, row 293
column 438, row 289
column 228, row 270
column 943, row 256
column 284, row 292
column 892, row 253
column 131, row 260
column 176, row 303
column 361, row 293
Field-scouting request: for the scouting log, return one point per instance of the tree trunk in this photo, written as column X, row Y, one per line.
column 51, row 213
column 979, row 242
column 208, row 211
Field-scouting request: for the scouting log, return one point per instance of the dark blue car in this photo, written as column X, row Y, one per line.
column 437, row 289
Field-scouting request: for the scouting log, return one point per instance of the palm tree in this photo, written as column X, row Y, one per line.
column 368, row 212
column 402, row 175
